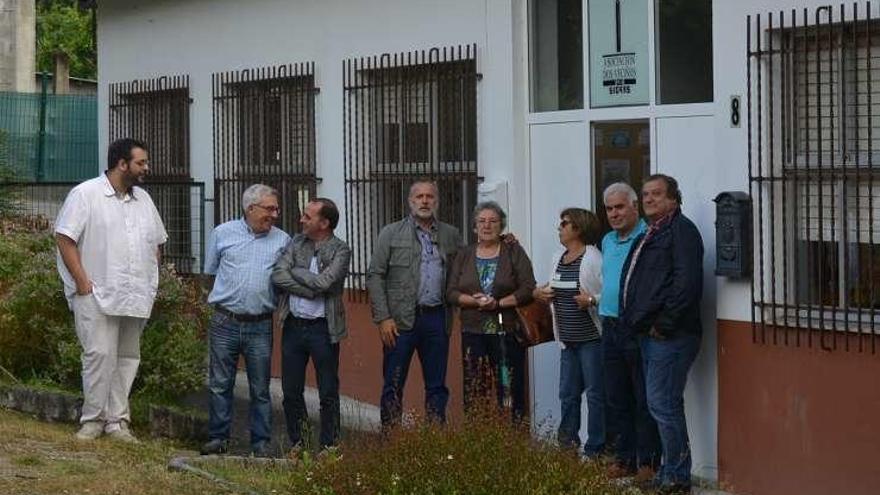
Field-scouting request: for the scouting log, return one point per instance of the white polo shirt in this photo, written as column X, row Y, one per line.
column 117, row 241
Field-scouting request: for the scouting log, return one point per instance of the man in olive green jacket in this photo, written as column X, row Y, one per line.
column 407, row 283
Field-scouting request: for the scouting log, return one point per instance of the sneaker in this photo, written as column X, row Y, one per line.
column 120, row 432
column 644, row 474
column 90, row 430
column 216, row 446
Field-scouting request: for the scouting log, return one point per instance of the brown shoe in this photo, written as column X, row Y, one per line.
column 644, row 475
column 618, row 470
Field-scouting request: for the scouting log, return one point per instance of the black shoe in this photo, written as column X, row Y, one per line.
column 675, row 489
column 215, row 447
column 262, row 450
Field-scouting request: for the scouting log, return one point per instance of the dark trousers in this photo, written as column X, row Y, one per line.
column 303, row 339
column 637, row 442
column 494, row 364
column 428, row 337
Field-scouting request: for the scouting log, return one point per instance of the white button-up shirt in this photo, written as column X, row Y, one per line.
column 117, row 239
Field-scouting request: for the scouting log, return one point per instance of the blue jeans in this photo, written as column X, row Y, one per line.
column 667, row 362
column 580, row 370
column 638, row 443
column 229, row 339
column 303, row 339
column 428, row 337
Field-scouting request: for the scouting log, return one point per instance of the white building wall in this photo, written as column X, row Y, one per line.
column 200, row 37
column 545, row 157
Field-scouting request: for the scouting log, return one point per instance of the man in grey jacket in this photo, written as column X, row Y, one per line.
column 311, row 275
column 407, row 281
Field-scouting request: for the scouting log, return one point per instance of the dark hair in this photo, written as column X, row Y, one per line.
column 672, row 190
column 585, row 222
column 328, row 211
column 121, row 150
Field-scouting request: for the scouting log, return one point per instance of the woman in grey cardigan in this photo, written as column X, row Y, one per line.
column 487, row 281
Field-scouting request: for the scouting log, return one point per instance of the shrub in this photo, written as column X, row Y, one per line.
column 39, row 341
column 487, row 454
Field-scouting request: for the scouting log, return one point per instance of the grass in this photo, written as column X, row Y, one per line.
column 485, row 455
column 45, row 458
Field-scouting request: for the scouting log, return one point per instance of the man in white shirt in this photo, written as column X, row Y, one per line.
column 108, row 235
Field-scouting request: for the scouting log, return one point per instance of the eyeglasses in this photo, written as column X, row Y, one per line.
column 483, row 221
column 270, row 209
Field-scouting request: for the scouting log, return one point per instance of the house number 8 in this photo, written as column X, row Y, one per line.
column 735, row 111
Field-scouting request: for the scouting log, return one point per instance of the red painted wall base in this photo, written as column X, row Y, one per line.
column 797, row 420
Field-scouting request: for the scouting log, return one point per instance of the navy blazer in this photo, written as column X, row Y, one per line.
column 666, row 286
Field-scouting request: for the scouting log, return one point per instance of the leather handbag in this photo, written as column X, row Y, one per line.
column 535, row 324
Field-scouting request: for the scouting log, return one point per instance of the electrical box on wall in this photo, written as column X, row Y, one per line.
column 494, row 191
column 733, row 234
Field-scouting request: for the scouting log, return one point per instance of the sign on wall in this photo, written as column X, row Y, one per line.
column 618, row 52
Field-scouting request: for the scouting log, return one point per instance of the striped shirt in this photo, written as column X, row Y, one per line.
column 574, row 324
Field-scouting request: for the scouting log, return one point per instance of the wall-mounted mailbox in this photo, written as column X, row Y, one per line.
column 733, row 234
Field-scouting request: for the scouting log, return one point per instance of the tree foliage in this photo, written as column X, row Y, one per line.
column 63, row 26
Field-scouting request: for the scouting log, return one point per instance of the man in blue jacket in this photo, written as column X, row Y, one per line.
column 661, row 290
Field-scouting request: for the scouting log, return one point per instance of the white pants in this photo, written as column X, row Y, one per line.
column 111, row 355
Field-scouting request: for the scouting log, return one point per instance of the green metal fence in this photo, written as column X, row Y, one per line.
column 49, row 138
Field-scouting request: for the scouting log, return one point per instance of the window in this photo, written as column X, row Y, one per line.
column 264, row 132
column 833, row 126
column 408, row 116
column 684, row 51
column 815, row 123
column 425, row 119
column 156, row 111
column 556, row 55
column 621, row 153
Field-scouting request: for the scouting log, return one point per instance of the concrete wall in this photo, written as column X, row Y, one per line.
column 545, row 158
column 797, row 420
column 791, row 419
column 135, row 41
column 17, row 45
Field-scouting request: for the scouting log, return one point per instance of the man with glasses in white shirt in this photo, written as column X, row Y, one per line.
column 108, row 234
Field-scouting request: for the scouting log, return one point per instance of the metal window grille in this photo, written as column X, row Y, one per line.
column 156, row 111
column 813, row 113
column 407, row 116
column 264, row 132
